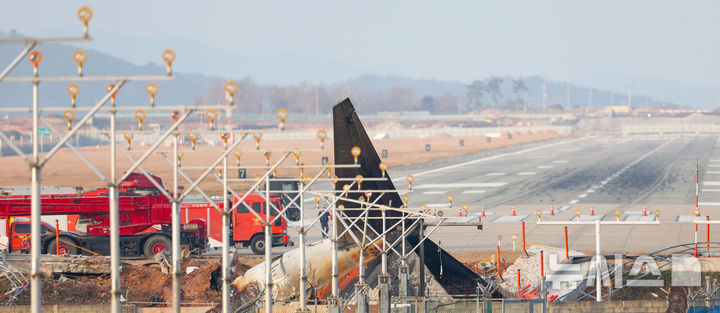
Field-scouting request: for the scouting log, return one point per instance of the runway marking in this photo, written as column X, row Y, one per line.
column 639, row 218
column 714, row 165
column 711, row 190
column 563, row 208
column 685, row 218
column 589, row 217
column 495, row 174
column 509, row 218
column 526, row 173
column 560, row 161
column 474, row 191
column 709, row 203
column 462, row 185
column 711, row 183
column 545, row 166
column 433, row 192
column 712, row 172
column 498, row 156
column 618, row 173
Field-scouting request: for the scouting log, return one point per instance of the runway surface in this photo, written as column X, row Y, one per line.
column 605, row 173
column 602, row 173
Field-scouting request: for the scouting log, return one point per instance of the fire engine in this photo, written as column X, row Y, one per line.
column 145, row 218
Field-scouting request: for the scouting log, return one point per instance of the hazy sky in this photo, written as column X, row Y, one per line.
column 607, row 42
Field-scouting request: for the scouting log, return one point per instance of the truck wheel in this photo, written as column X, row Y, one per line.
column 65, row 249
column 257, row 245
column 156, row 244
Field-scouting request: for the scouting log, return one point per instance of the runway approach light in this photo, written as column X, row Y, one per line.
column 406, row 199
column 578, row 213
column 230, row 89
column 297, row 153
column 80, row 56
column 368, row 194
column 322, row 134
column 257, row 137
column 334, row 180
column 282, row 114
column 383, row 167
column 359, row 179
column 225, row 137
column 211, row 115
column 317, row 199
column 237, row 153
column 73, row 90
column 193, row 138
column 168, row 56
column 539, row 215
column 267, row 155
column 175, row 115
column 450, row 199
column 617, row 214
column 109, row 88
column 355, row 151
column 128, row 137
column 140, row 115
column 152, row 88
column 35, row 57
column 657, row 214
column 69, row 116
column 410, row 180
column 85, row 14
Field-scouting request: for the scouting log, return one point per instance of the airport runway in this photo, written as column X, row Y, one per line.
column 605, row 173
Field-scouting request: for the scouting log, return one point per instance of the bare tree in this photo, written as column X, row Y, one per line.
column 493, row 88
column 475, row 93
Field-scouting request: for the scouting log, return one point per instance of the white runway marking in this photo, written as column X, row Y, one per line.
column 433, row 192
column 526, row 173
column 474, row 191
column 499, row 156
column 574, row 201
column 714, row 165
column 639, row 218
column 712, row 172
column 711, row 183
column 509, row 219
column 495, row 174
column 685, row 219
column 560, row 161
column 461, row 185
column 709, row 203
column 545, row 166
column 582, row 196
column 711, row 190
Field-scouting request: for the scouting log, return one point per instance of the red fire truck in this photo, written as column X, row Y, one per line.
column 144, row 221
column 245, row 228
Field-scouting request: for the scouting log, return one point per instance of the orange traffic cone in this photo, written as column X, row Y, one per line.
column 552, row 209
column 592, row 210
column 644, row 211
column 513, row 211
column 460, row 212
column 482, row 212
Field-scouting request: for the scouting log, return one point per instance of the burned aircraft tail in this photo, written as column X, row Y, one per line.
column 453, row 276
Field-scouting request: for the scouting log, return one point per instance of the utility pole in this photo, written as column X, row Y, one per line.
column 568, row 94
column 544, row 96
column 317, row 110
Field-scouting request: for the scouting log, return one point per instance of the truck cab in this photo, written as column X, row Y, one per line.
column 248, row 229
